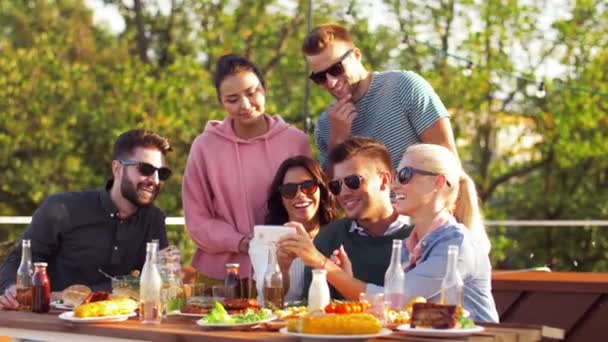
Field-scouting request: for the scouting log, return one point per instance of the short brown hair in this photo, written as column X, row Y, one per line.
column 367, row 147
column 130, row 140
column 321, row 36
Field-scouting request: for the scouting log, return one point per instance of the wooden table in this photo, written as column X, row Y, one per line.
column 49, row 327
column 574, row 302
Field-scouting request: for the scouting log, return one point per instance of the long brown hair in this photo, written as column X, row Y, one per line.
column 277, row 214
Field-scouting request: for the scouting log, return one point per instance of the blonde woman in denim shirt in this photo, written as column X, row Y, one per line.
column 441, row 200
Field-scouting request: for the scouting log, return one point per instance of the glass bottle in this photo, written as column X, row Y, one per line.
column 232, row 279
column 452, row 286
column 318, row 292
column 394, row 279
column 150, row 307
column 24, row 277
column 273, row 282
column 41, row 292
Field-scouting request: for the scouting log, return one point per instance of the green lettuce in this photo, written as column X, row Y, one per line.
column 218, row 315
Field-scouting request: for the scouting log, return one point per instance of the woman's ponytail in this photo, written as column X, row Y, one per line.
column 467, row 210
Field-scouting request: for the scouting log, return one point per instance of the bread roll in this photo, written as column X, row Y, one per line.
column 75, row 294
column 111, row 307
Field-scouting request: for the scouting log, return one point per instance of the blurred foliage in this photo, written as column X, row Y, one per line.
column 68, row 88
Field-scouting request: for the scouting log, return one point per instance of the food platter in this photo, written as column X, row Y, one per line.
column 69, row 316
column 383, row 332
column 430, row 332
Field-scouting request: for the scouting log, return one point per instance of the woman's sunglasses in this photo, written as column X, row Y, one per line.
column 353, row 182
column 336, row 70
column 405, row 175
column 148, row 170
column 290, row 190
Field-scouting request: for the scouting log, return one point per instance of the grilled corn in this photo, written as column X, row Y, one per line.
column 350, row 324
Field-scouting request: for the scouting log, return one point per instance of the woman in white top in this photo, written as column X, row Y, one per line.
column 299, row 193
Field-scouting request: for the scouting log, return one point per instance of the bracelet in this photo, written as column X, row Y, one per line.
column 324, row 263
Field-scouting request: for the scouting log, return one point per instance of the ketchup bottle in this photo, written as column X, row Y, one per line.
column 41, row 289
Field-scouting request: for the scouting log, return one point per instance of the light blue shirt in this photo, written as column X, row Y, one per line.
column 473, row 264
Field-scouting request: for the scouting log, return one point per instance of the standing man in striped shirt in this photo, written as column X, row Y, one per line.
column 398, row 108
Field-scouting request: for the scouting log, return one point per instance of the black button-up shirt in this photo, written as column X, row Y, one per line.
column 77, row 233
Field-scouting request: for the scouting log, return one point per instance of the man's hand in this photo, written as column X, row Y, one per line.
column 8, row 301
column 341, row 259
column 301, row 245
column 341, row 118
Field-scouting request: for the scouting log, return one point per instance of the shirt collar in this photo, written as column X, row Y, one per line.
column 106, row 200
column 399, row 223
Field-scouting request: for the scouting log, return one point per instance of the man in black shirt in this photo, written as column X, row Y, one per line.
column 79, row 233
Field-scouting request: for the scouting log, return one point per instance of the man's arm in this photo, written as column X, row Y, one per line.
column 440, row 133
column 8, row 270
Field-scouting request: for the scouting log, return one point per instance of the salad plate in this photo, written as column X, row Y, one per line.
column 203, row 323
column 304, row 337
column 430, row 332
column 218, row 317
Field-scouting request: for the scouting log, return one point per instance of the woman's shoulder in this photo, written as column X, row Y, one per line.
column 447, row 235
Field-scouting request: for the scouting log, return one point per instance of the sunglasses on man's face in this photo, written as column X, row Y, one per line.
column 336, row 70
column 353, row 182
column 290, row 190
column 148, row 170
column 405, row 174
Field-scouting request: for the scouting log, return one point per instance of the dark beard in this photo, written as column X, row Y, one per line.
column 128, row 190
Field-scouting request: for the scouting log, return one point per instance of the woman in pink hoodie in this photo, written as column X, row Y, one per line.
column 230, row 168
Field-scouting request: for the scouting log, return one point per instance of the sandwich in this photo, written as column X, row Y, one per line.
column 75, row 295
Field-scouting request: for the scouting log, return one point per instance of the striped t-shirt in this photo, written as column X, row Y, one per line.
column 396, row 109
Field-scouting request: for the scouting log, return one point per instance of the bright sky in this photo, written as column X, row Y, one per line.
column 108, row 16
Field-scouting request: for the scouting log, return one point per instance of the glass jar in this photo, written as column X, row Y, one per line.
column 318, row 292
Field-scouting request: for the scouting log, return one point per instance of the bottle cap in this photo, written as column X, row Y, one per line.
column 40, row 264
column 232, row 265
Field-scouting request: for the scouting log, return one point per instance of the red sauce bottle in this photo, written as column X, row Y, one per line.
column 41, row 289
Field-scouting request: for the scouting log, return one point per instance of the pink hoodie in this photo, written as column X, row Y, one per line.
column 225, row 188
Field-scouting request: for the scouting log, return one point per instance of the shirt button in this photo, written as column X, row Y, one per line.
column 112, row 215
column 115, row 248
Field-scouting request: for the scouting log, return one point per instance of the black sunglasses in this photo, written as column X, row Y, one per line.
column 148, row 170
column 353, row 182
column 336, row 69
column 290, row 190
column 405, row 175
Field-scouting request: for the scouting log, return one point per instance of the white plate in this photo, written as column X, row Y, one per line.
column 234, row 325
column 59, row 305
column 383, row 332
column 69, row 316
column 439, row 332
column 187, row 314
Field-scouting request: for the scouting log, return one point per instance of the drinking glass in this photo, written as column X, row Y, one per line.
column 194, row 290
column 222, row 291
column 379, row 305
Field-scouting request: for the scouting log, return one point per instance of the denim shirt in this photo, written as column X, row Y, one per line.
column 473, row 264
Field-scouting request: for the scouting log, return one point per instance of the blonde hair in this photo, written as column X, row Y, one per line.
column 461, row 198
